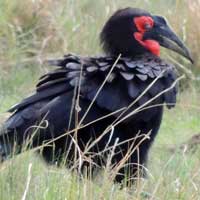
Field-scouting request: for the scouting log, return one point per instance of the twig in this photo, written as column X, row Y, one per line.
column 28, row 182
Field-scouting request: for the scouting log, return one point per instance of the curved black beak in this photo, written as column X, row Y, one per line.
column 168, row 39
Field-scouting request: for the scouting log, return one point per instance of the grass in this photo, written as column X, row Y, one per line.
column 171, row 175
column 31, row 31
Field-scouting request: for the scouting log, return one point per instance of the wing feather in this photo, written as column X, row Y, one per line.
column 130, row 79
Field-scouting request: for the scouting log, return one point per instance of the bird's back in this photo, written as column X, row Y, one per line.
column 95, row 92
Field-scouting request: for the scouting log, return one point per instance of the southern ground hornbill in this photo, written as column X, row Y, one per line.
column 89, row 110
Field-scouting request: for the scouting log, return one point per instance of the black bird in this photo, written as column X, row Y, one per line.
column 116, row 100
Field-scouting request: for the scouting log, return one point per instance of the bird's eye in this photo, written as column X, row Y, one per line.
column 143, row 23
column 147, row 26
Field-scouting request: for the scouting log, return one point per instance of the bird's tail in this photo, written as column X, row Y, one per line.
column 7, row 140
column 5, row 145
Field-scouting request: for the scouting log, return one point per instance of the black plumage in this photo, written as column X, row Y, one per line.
column 64, row 95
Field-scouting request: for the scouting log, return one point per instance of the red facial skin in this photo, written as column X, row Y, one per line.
column 141, row 24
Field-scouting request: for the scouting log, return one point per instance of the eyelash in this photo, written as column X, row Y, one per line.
column 147, row 26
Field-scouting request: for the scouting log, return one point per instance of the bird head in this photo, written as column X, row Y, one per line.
column 133, row 31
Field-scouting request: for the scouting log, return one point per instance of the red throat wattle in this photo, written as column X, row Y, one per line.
column 141, row 24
